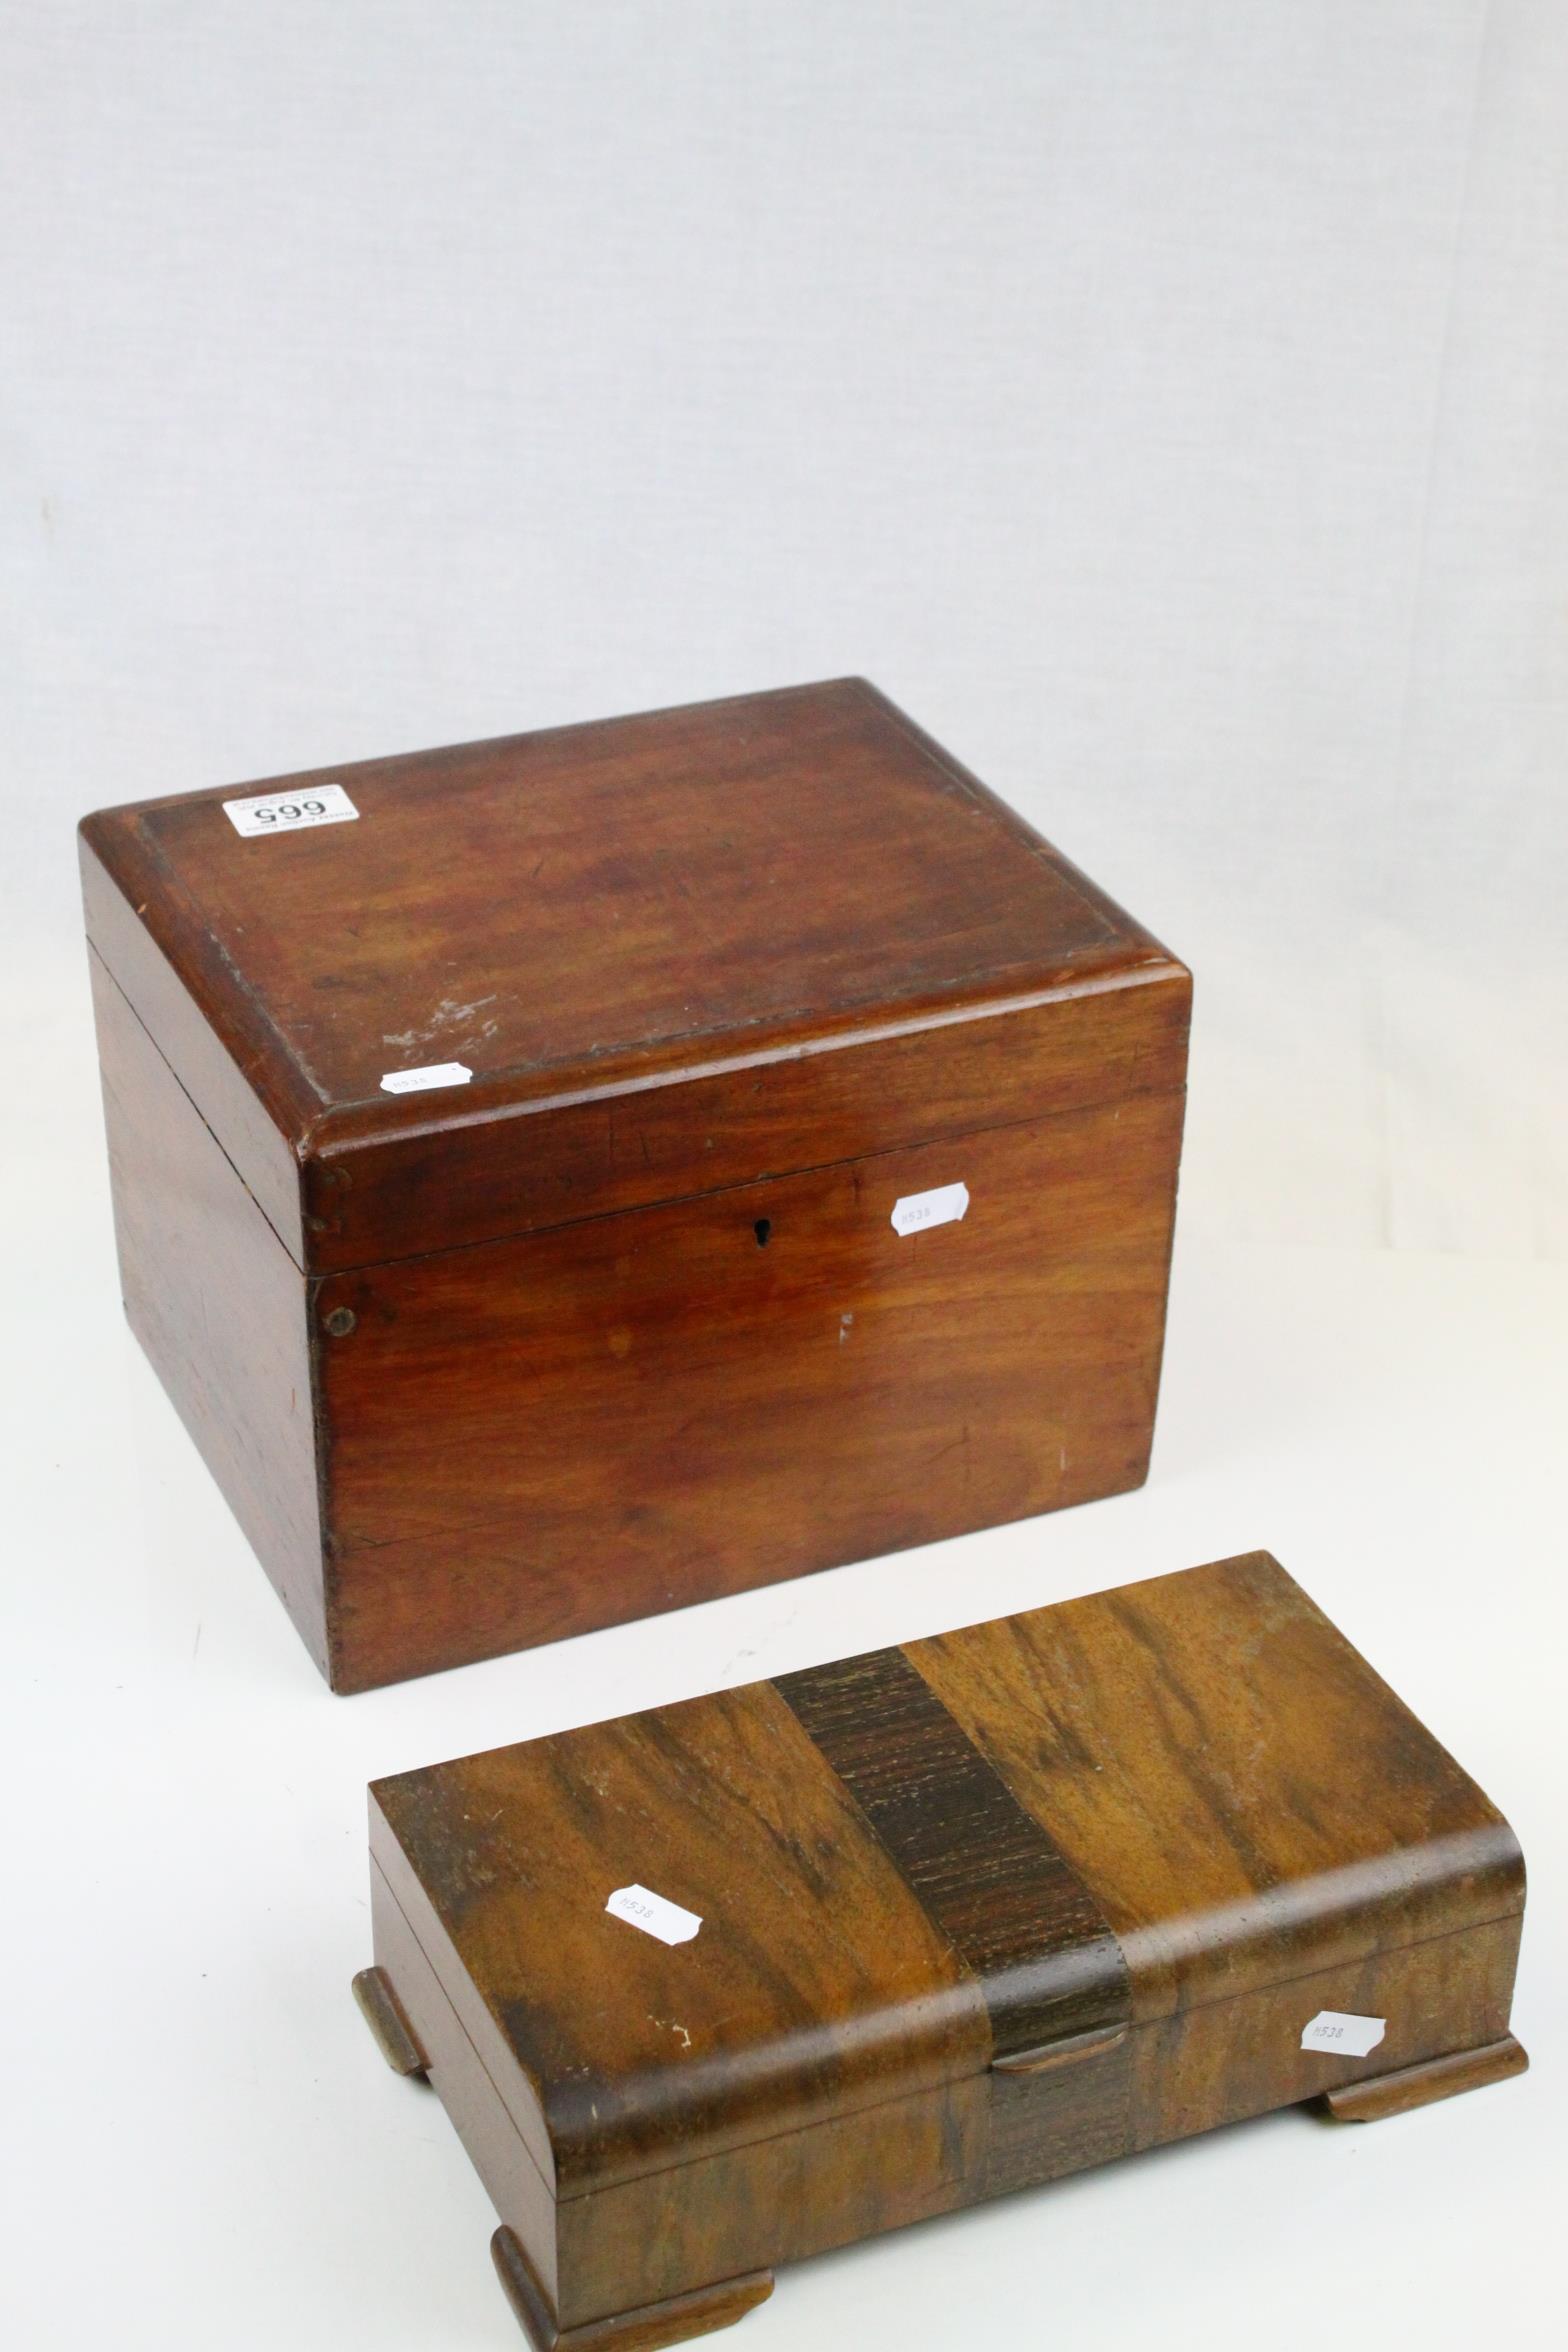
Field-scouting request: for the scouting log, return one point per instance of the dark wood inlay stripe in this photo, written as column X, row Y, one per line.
column 985, row 1872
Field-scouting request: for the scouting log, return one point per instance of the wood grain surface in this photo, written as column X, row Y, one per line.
column 219, row 1306
column 623, row 1324
column 1247, row 1798
column 226, row 1074
column 595, row 908
column 1418, row 2086
column 820, row 1984
column 975, row 1914
column 1020, row 1919
column 674, row 2321
column 682, row 950
column 536, row 1438
column 824, row 1094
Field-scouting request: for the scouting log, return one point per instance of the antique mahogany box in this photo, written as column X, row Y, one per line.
column 566, row 1177
column 730, row 1982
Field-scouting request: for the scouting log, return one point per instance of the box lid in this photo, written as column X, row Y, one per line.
column 657, row 944
column 918, row 1864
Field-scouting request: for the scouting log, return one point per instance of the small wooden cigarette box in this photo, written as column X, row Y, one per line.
column 567, row 1177
column 731, row 1982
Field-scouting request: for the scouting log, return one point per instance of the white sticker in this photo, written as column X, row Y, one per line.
column 290, row 812
column 1341, row 2035
column 919, row 1210
column 433, row 1074
column 654, row 1914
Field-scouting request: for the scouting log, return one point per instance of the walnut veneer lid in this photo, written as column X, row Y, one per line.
column 911, row 1865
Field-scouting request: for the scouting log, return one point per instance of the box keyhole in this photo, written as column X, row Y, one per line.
column 762, row 1228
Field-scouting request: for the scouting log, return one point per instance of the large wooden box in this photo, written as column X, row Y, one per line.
column 537, row 1165
column 956, row 1918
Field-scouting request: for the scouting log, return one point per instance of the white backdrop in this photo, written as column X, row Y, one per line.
column 1165, row 401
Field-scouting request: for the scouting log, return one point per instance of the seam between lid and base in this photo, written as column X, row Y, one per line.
column 317, row 1276
column 679, row 1200
column 1136, row 2029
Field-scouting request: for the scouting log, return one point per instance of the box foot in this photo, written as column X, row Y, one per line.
column 1417, row 2086
column 383, row 2014
column 643, row 2330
